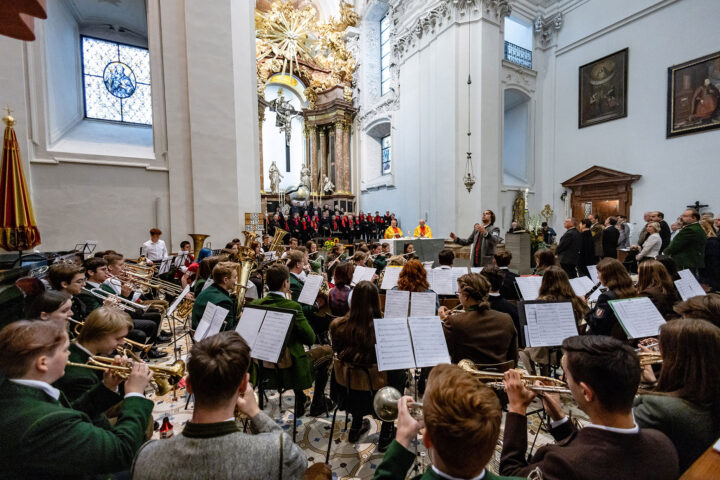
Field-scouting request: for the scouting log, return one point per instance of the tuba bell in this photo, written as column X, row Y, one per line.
column 198, row 241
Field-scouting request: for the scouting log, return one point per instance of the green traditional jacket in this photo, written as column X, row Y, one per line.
column 299, row 376
column 79, row 385
column 687, row 249
column 90, row 301
column 318, row 263
column 42, row 439
column 296, row 286
column 197, row 288
column 110, row 289
column 380, row 263
column 398, row 460
column 217, row 295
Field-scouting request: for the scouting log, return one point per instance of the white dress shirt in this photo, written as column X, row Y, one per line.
column 154, row 251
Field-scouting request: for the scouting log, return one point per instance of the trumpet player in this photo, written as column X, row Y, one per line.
column 103, row 332
column 43, row 438
column 462, row 425
column 224, row 277
column 603, row 375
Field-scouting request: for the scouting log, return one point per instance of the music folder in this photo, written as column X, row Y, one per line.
column 414, row 342
column 688, row 286
column 266, row 330
column 544, row 323
column 638, row 316
column 211, row 321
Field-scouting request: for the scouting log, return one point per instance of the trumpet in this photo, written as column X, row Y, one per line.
column 144, row 347
column 385, row 405
column 494, row 379
column 157, row 284
column 649, row 358
column 118, row 301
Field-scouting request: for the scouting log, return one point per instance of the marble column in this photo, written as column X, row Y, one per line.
column 346, row 156
column 261, row 119
column 323, row 152
column 314, row 172
column 339, row 160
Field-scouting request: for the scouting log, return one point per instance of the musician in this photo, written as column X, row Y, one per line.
column 413, row 278
column 654, row 282
column 353, row 339
column 462, row 424
column 393, row 231
column 379, row 223
column 702, row 307
column 480, row 334
column 378, row 259
column 186, row 257
column 205, row 273
column 483, row 240
column 69, row 278
column 104, row 332
column 603, row 375
column 265, row 247
column 224, row 277
column 154, row 250
column 43, row 438
column 496, row 299
column 299, row 375
column 422, row 230
column 446, row 258
column 544, row 259
column 502, row 260
column 569, row 246
column 336, row 255
column 339, row 296
column 295, row 225
column 96, row 272
column 297, row 262
column 50, row 305
column 409, row 251
column 601, row 320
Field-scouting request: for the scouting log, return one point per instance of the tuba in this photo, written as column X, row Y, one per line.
column 198, row 241
column 276, row 244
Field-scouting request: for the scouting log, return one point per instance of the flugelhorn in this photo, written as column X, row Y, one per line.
column 118, row 301
column 494, row 379
column 385, row 405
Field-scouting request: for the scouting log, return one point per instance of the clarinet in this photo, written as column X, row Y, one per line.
column 592, row 290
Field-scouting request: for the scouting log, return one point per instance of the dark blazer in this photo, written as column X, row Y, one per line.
column 688, row 426
column 218, row 296
column 587, row 249
column 688, row 247
column 488, row 242
column 499, row 304
column 508, row 289
column 398, row 460
column 43, row 439
column 589, row 454
column 568, row 249
column 610, row 238
column 710, row 274
column 665, row 234
column 601, row 320
column 485, row 337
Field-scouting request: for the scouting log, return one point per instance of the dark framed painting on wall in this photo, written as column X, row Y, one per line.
column 603, row 89
column 694, row 96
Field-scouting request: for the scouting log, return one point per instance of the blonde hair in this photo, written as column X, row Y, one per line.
column 222, row 270
column 102, row 322
column 707, row 226
column 655, row 226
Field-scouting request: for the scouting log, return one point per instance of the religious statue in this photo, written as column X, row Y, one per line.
column 275, row 177
column 284, row 114
column 518, row 209
column 305, row 176
column 328, row 186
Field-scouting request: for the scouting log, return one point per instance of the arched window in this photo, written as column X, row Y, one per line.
column 116, row 81
column 517, row 150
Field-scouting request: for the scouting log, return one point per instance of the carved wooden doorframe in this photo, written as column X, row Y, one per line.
column 600, row 184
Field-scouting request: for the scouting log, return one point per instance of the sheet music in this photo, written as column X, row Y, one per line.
column 476, row 269
column 211, row 321
column 592, row 269
column 393, row 345
column 177, row 301
column 249, row 324
column 457, row 272
column 548, row 324
column 362, row 273
column 390, row 278
column 689, row 287
column 686, row 274
column 165, row 265
column 271, row 337
column 441, row 281
column 428, row 341
column 310, row 289
column 397, row 303
column 422, row 304
column 582, row 285
column 529, row 286
column 638, row 316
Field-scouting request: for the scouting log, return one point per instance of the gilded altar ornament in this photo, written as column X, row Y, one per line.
column 547, row 212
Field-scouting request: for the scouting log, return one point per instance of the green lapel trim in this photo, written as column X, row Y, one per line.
column 209, row 430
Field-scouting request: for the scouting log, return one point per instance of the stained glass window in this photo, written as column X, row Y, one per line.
column 116, row 81
column 385, row 142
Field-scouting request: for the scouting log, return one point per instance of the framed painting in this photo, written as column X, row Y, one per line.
column 603, row 89
column 694, row 96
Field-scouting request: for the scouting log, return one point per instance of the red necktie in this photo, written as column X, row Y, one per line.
column 476, row 261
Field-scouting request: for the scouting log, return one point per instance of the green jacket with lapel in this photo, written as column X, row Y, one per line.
column 216, row 295
column 398, row 460
column 296, row 286
column 81, row 385
column 688, row 247
column 90, row 301
column 299, row 376
column 43, row 439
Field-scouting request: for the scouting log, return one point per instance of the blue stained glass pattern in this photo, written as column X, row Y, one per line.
column 116, row 80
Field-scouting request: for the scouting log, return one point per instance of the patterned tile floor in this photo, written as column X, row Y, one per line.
column 347, row 461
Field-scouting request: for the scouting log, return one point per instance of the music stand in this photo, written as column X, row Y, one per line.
column 86, row 248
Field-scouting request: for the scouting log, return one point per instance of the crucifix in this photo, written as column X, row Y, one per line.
column 697, row 206
column 284, row 114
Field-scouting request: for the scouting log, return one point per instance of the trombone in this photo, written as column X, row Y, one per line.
column 157, row 284
column 118, row 301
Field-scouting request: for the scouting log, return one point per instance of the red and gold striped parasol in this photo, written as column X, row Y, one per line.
column 18, row 230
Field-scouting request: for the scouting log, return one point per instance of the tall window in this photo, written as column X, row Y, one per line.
column 116, row 81
column 384, row 54
column 386, row 161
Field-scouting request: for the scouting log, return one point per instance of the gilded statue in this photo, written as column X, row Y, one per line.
column 518, row 209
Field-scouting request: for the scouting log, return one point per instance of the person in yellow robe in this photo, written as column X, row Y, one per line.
column 393, row 231
column 422, row 230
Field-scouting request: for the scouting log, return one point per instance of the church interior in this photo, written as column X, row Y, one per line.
column 367, row 131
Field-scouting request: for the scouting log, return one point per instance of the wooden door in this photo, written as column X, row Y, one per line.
column 581, row 208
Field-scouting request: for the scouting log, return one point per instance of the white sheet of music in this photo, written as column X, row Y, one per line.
column 422, row 304
column 249, row 324
column 428, row 341
column 638, row 316
column 441, row 281
column 582, row 285
column 548, row 324
column 529, row 286
column 177, row 301
column 271, row 337
column 689, row 287
column 592, row 269
column 393, row 345
column 165, row 265
column 390, row 278
column 180, row 259
column 211, row 321
column 397, row 303
column 476, row 269
column 457, row 272
column 362, row 273
column 310, row 289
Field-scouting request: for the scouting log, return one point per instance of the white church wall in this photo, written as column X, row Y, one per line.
column 675, row 171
